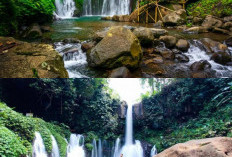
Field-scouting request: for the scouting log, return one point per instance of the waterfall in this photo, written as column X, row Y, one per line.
column 130, row 149
column 117, row 148
column 153, row 151
column 99, row 148
column 106, row 7
column 39, row 147
column 55, row 148
column 76, row 146
column 94, row 150
column 65, row 8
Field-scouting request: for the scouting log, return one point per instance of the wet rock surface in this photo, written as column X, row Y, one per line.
column 26, row 60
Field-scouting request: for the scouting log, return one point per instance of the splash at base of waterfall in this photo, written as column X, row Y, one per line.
column 76, row 146
column 132, row 150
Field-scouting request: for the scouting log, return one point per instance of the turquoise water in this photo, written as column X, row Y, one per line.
column 83, row 28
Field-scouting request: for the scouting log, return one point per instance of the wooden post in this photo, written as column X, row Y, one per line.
column 138, row 10
column 147, row 11
column 156, row 11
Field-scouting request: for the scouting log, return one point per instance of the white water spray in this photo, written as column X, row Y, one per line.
column 76, row 146
column 65, row 9
column 153, row 151
column 39, row 147
column 117, row 148
column 55, row 148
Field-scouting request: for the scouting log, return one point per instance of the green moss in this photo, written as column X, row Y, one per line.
column 89, row 146
column 11, row 144
column 202, row 8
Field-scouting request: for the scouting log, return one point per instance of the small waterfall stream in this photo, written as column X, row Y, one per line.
column 39, row 147
column 65, row 8
column 55, row 148
column 76, row 146
column 106, row 7
column 153, row 151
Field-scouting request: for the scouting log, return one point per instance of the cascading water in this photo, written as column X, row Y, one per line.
column 197, row 53
column 106, row 7
column 117, row 148
column 55, row 148
column 65, row 8
column 76, row 146
column 153, row 151
column 130, row 149
column 39, row 147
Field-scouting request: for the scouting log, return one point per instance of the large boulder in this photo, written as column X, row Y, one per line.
column 33, row 32
column 124, row 18
column 182, row 45
column 169, row 41
column 28, row 60
column 211, row 147
column 201, row 65
column 211, row 21
column 145, row 36
column 221, row 57
column 120, row 47
column 175, row 18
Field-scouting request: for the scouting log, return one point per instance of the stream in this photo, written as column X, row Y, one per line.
column 85, row 27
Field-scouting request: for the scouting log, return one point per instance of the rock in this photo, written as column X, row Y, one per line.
column 175, row 18
column 107, row 18
column 73, row 50
column 87, row 46
column 158, row 32
column 182, row 58
column 124, row 18
column 46, row 28
column 197, row 21
column 121, row 72
column 176, row 51
column 28, row 60
column 211, row 21
column 221, row 57
column 71, row 40
column 182, row 45
column 221, row 31
column 210, row 147
column 168, row 54
column 169, row 41
column 200, row 74
column 229, row 41
column 145, row 36
column 213, row 46
column 197, row 30
column 158, row 24
column 157, row 60
column 228, row 19
column 200, row 65
column 33, row 32
column 100, row 35
column 115, row 18
column 120, row 47
column 227, row 25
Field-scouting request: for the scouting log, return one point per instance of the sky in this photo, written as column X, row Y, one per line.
column 129, row 89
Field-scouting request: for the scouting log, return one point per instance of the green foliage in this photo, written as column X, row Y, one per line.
column 184, row 115
column 202, row 8
column 24, row 129
column 11, row 144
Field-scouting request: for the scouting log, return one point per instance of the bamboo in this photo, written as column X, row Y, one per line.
column 138, row 11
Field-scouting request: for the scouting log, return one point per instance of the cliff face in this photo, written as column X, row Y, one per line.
column 138, row 111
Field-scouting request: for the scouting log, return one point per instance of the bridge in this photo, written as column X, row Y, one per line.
column 145, row 5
